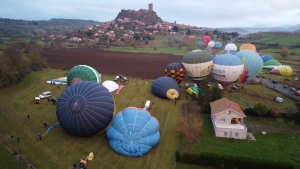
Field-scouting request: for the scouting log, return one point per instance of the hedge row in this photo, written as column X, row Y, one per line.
column 230, row 162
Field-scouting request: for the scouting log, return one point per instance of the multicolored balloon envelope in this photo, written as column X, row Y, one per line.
column 230, row 48
column 198, row 64
column 253, row 64
column 226, row 69
column 85, row 109
column 83, row 73
column 133, row 132
column 206, row 39
column 248, row 46
column 166, row 87
column 283, row 70
column 176, row 71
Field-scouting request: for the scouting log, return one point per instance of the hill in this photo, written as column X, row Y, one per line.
column 23, row 28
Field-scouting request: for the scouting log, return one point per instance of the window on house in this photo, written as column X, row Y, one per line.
column 225, row 133
column 222, row 119
column 236, row 134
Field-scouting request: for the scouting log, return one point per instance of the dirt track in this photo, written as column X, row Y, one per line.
column 139, row 65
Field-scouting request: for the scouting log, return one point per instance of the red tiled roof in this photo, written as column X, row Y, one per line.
column 225, row 104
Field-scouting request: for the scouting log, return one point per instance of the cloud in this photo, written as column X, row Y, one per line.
column 213, row 13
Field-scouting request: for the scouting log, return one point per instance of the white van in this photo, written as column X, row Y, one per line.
column 46, row 94
column 220, row 86
column 279, row 99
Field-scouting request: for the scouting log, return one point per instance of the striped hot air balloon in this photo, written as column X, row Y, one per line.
column 176, row 71
column 83, row 73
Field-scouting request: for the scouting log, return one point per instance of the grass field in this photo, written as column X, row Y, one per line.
column 59, row 149
column 272, row 146
column 8, row 161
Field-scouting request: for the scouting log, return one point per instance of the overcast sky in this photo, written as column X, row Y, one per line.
column 201, row 13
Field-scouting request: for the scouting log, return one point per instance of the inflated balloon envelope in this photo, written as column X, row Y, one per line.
column 133, row 132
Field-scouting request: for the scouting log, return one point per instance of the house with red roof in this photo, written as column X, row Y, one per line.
column 228, row 119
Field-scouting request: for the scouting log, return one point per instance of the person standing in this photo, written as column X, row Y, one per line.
column 28, row 116
column 58, row 87
column 175, row 102
column 12, row 138
column 40, row 137
column 45, row 124
column 18, row 139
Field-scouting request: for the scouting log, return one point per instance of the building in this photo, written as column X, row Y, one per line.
column 228, row 119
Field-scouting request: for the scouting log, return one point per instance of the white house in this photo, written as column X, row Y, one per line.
column 228, row 119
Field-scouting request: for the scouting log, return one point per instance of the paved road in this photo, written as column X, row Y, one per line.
column 279, row 88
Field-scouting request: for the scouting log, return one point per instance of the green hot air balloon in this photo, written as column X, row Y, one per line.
column 198, row 64
column 83, row 73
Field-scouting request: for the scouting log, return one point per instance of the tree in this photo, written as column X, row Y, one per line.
column 274, row 113
column 175, row 29
column 260, row 109
column 216, row 93
column 204, row 96
column 189, row 32
column 284, row 52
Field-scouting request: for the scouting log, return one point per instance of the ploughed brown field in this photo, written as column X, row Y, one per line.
column 138, row 65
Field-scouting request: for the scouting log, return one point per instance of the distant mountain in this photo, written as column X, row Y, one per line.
column 261, row 28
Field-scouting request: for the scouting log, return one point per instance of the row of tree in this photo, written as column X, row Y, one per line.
column 19, row 60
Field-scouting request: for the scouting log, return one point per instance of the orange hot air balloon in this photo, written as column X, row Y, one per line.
column 248, row 46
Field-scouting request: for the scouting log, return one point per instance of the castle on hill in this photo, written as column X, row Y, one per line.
column 148, row 16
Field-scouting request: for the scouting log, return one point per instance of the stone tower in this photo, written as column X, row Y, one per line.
column 151, row 7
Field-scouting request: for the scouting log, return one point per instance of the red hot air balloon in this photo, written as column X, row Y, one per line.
column 206, row 39
column 176, row 71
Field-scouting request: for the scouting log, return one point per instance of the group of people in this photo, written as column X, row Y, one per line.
column 13, row 138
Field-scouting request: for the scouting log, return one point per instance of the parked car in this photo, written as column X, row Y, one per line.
column 46, row 94
column 285, row 86
column 297, row 103
column 297, row 93
column 235, row 88
column 54, row 100
column 274, row 81
column 293, row 89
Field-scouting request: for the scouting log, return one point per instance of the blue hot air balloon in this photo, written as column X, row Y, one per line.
column 267, row 57
column 85, row 109
column 218, row 45
column 166, row 87
column 252, row 65
column 199, row 44
column 133, row 132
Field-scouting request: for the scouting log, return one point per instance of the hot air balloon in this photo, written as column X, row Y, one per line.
column 267, row 57
column 230, row 48
column 248, row 46
column 283, row 70
column 226, row 69
column 198, row 64
column 270, row 64
column 85, row 109
column 206, row 39
column 166, row 87
column 218, row 45
column 133, row 132
column 252, row 65
column 83, row 73
column 211, row 44
column 110, row 85
column 199, row 44
column 176, row 71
